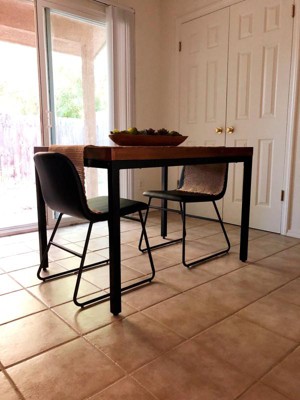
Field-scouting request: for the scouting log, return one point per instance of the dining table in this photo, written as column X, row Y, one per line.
column 116, row 158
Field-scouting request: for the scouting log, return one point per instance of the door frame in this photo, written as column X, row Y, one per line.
column 292, row 99
column 291, row 127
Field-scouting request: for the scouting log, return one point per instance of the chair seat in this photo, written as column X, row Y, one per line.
column 100, row 205
column 179, row 195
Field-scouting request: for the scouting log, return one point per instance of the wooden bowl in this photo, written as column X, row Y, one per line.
column 146, row 140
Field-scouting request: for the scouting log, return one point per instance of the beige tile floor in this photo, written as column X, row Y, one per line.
column 223, row 330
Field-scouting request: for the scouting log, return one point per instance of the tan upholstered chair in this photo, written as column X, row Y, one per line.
column 198, row 183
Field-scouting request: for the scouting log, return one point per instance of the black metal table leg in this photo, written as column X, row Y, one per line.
column 114, row 239
column 245, row 209
column 42, row 221
column 164, row 203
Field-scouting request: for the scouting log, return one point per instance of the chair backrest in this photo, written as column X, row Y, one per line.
column 207, row 179
column 61, row 186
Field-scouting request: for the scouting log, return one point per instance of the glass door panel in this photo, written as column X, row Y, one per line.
column 19, row 115
column 78, row 85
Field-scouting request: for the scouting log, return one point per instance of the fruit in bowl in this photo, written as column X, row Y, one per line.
column 146, row 137
column 146, row 132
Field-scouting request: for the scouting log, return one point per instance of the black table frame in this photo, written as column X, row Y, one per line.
column 113, row 167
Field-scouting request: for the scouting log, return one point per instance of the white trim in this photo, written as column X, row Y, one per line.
column 43, row 78
column 177, row 70
column 115, row 4
column 43, row 84
column 83, row 8
column 17, row 230
column 111, row 61
column 291, row 129
column 219, row 5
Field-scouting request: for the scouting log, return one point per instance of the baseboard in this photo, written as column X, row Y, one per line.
column 293, row 233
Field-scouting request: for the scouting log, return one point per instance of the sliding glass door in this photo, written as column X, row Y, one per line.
column 19, row 115
column 77, row 77
column 66, row 77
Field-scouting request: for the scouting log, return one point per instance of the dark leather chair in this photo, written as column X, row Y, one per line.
column 63, row 192
column 198, row 183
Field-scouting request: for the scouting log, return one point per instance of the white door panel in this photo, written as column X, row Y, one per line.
column 203, row 82
column 254, row 39
column 258, row 82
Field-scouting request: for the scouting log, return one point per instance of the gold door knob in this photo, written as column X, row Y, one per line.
column 219, row 131
column 230, row 130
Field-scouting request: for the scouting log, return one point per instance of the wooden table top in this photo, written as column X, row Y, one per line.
column 123, row 153
column 119, row 153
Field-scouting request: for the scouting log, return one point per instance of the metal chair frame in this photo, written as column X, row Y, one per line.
column 182, row 212
column 82, row 267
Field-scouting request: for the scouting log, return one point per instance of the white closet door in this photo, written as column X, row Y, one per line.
column 258, row 87
column 203, row 83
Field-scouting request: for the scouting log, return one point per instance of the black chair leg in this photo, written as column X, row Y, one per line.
column 222, row 226
column 148, row 248
column 217, row 254
column 81, row 267
column 145, row 221
column 44, row 258
column 156, row 246
column 183, row 217
column 64, row 273
column 131, row 286
column 183, row 239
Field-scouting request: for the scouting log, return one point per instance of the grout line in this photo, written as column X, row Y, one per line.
column 14, row 386
column 142, row 386
column 41, row 353
column 106, row 356
column 259, row 380
column 269, row 255
column 256, row 323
